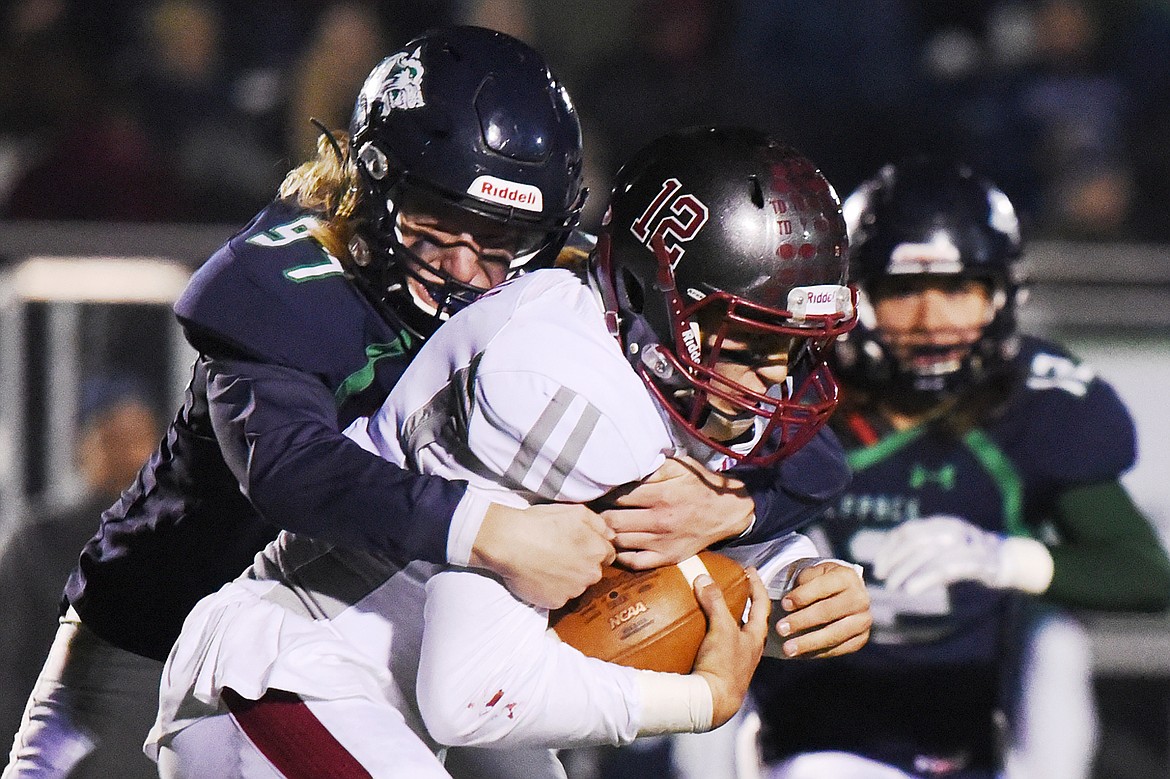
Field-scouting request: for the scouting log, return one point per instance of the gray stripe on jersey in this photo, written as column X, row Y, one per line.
column 567, row 460
column 537, row 436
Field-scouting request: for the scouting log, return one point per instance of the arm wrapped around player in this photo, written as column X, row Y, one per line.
column 696, row 509
column 517, row 684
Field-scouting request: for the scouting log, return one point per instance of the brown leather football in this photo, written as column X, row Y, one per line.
column 649, row 619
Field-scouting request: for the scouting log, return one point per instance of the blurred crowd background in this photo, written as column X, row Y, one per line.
column 192, row 110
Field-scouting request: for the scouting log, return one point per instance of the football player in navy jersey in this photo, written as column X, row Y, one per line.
column 699, row 325
column 461, row 168
column 986, row 488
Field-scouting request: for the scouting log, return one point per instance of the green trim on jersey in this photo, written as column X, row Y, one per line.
column 315, row 270
column 1005, row 475
column 363, row 377
column 860, row 459
column 987, row 454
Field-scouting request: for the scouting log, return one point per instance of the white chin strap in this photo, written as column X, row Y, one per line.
column 520, row 260
column 425, row 305
column 724, row 427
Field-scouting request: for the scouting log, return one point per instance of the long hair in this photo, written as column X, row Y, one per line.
column 327, row 184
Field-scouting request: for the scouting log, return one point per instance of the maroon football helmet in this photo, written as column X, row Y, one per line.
column 718, row 231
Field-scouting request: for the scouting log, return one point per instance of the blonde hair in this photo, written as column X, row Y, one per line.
column 327, row 184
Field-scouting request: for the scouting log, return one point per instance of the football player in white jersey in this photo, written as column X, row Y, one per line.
column 697, row 328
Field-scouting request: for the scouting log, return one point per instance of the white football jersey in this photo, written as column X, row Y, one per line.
column 527, row 396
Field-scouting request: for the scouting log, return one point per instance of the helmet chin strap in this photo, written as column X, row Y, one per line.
column 426, row 306
column 725, row 428
column 730, row 427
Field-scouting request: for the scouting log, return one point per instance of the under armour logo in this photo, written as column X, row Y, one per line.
column 944, row 477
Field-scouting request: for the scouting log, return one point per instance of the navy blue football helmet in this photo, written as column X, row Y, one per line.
column 718, row 230
column 469, row 119
column 929, row 217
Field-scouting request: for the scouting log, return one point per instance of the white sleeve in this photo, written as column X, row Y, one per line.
column 777, row 561
column 492, row 673
column 557, row 412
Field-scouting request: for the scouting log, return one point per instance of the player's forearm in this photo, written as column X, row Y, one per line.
column 515, row 684
column 797, row 490
column 491, row 673
column 1109, row 579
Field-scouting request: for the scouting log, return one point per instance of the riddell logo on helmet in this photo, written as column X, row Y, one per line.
column 819, row 299
column 507, row 193
column 690, row 339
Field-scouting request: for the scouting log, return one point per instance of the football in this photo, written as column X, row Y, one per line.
column 649, row 619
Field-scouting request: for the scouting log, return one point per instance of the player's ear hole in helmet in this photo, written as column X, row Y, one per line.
column 463, row 137
column 928, row 222
column 724, row 240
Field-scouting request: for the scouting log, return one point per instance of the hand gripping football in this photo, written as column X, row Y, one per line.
column 649, row 619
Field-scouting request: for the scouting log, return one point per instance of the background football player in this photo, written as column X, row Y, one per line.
column 986, row 469
column 699, row 326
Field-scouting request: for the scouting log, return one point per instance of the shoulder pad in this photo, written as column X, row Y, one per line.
column 1077, row 428
column 273, row 293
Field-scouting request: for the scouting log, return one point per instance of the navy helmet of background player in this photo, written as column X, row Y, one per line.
column 971, row 487
column 743, row 235
column 934, row 217
column 466, row 120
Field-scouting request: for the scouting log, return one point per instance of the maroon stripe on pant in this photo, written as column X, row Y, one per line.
column 291, row 737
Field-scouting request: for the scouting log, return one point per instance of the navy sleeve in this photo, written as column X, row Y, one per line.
column 1096, row 422
column 279, row 434
column 795, row 491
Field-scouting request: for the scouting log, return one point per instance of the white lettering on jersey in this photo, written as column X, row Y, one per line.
column 1050, row 371
column 298, row 230
column 282, row 235
column 331, row 267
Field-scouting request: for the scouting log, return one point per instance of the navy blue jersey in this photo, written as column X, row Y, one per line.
column 289, row 354
column 931, row 671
